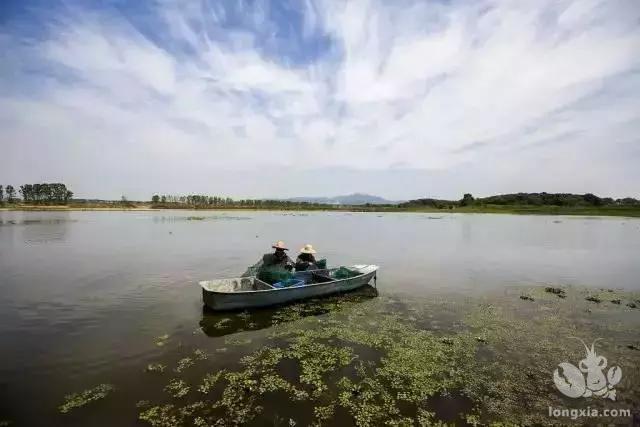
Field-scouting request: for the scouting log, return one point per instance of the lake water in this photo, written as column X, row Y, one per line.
column 84, row 295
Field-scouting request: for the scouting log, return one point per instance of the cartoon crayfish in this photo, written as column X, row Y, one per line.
column 571, row 380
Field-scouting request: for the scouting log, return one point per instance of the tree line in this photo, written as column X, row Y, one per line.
column 526, row 199
column 45, row 193
column 203, row 201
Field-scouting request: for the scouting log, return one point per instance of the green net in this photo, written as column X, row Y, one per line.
column 272, row 275
column 344, row 273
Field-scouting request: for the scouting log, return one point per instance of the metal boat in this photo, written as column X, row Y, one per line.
column 251, row 292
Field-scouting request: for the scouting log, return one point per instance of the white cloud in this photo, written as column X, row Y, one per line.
column 449, row 87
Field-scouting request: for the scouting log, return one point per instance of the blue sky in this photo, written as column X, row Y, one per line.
column 402, row 99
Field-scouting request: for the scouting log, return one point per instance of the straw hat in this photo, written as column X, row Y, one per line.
column 308, row 249
column 280, row 245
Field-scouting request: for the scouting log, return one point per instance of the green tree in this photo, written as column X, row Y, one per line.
column 155, row 198
column 1, row 194
column 11, row 193
column 467, row 200
column 592, row 199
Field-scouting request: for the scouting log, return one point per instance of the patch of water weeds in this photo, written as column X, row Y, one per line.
column 382, row 361
column 184, row 363
column 77, row 400
column 155, row 367
column 162, row 340
column 177, row 388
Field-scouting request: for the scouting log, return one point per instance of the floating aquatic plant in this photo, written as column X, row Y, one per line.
column 593, row 298
column 556, row 291
column 177, row 388
column 142, row 403
column 77, row 400
column 200, row 354
column 156, row 367
column 222, row 323
column 380, row 362
column 184, row 363
column 161, row 416
column 237, row 340
column 162, row 340
column 209, row 381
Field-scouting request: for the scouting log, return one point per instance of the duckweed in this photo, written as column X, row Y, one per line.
column 237, row 341
column 385, row 361
column 221, row 324
column 162, row 340
column 77, row 400
column 142, row 403
column 155, row 367
column 177, row 388
column 200, row 354
column 209, row 381
column 184, row 363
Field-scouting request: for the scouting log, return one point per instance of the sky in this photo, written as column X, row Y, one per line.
column 253, row 99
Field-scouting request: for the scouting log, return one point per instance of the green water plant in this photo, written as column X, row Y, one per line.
column 155, row 367
column 209, row 381
column 162, row 340
column 385, row 361
column 77, row 400
column 222, row 323
column 177, row 388
column 184, row 363
column 233, row 340
column 200, row 354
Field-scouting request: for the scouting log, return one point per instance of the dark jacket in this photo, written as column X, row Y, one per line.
column 272, row 260
column 305, row 262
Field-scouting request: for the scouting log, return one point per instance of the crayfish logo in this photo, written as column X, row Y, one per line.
column 588, row 379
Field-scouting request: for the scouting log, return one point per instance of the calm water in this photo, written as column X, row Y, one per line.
column 84, row 294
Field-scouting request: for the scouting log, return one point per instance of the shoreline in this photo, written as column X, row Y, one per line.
column 513, row 210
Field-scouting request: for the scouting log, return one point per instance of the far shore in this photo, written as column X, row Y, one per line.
column 492, row 209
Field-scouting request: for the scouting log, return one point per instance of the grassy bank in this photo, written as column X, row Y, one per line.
column 626, row 211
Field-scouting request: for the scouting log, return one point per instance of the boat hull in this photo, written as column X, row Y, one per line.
column 267, row 297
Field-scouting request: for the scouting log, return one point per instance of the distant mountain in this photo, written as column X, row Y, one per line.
column 351, row 199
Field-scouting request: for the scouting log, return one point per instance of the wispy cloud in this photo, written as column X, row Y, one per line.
column 197, row 87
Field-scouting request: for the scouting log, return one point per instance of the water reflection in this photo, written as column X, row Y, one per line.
column 218, row 324
column 38, row 229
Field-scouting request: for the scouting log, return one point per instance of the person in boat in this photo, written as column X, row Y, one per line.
column 306, row 260
column 275, row 266
column 278, row 258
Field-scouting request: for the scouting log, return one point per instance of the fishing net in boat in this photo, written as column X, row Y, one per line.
column 253, row 269
column 272, row 275
column 344, row 273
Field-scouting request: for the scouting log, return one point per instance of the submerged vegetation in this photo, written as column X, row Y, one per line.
column 397, row 361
